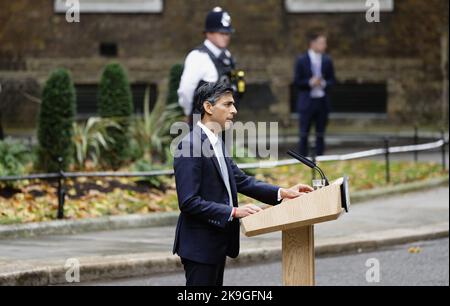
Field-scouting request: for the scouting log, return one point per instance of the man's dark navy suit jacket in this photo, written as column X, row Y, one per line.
column 204, row 233
column 303, row 73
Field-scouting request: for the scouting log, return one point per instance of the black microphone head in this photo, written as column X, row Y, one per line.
column 302, row 159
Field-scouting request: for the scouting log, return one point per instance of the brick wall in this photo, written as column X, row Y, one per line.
column 404, row 50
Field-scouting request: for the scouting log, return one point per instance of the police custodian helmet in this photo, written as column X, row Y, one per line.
column 218, row 20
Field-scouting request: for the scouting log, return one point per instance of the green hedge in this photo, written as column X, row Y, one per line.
column 174, row 82
column 56, row 117
column 115, row 101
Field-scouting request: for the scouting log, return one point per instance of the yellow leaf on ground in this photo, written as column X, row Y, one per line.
column 414, row 250
column 72, row 192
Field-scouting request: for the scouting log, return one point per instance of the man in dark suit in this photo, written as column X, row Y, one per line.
column 207, row 182
column 314, row 76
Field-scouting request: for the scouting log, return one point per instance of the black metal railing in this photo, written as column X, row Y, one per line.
column 386, row 151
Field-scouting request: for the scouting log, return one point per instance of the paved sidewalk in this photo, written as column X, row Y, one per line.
column 393, row 217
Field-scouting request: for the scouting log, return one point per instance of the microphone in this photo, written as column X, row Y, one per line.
column 308, row 163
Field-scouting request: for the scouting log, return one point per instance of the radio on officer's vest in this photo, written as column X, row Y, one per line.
column 238, row 80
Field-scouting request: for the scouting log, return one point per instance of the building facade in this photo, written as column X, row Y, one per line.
column 394, row 69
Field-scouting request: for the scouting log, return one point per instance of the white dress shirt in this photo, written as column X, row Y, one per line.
column 316, row 67
column 217, row 147
column 198, row 66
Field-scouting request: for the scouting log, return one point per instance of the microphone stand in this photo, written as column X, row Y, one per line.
column 309, row 163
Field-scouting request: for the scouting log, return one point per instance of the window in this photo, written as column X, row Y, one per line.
column 258, row 96
column 353, row 98
column 335, row 6
column 113, row 6
column 87, row 98
column 108, row 49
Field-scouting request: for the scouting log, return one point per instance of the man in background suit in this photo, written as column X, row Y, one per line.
column 207, row 183
column 314, row 76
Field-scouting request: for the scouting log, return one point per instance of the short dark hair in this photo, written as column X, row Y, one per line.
column 210, row 92
column 312, row 36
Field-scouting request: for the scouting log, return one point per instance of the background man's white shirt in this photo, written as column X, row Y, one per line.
column 316, row 67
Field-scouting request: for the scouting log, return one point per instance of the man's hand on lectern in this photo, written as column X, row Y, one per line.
column 296, row 191
column 246, row 210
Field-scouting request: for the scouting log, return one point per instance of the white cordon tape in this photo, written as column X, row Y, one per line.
column 261, row 164
column 356, row 155
column 421, row 147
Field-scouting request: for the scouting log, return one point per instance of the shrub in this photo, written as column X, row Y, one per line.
column 90, row 138
column 174, row 82
column 151, row 133
column 145, row 166
column 115, row 102
column 55, row 122
column 14, row 157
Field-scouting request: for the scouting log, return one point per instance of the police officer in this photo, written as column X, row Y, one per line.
column 210, row 62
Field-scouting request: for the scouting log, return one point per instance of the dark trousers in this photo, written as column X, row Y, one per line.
column 318, row 113
column 198, row 274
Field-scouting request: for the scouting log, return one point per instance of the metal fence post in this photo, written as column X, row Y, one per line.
column 386, row 155
column 416, row 141
column 60, row 192
column 443, row 151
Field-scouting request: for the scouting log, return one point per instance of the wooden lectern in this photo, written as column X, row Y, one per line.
column 296, row 219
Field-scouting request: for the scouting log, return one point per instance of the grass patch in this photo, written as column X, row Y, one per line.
column 363, row 174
